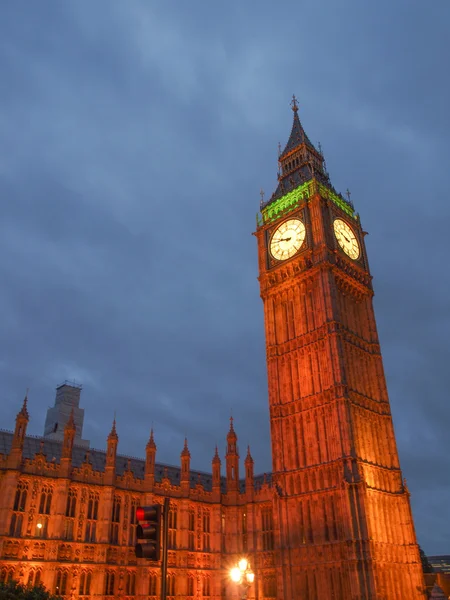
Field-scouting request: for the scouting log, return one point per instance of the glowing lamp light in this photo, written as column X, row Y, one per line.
column 243, row 576
column 39, row 525
column 243, row 564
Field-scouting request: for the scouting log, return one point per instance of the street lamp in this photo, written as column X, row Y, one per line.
column 243, row 576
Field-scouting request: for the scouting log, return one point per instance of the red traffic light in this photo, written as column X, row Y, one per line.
column 149, row 532
column 148, row 513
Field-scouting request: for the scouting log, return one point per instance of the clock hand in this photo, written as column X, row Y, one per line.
column 285, row 239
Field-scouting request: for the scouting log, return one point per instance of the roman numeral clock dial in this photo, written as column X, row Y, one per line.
column 287, row 239
column 346, row 239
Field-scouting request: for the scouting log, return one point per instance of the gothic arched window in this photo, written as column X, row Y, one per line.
column 191, row 529
column 71, row 503
column 109, row 583
column 46, row 500
column 206, row 587
column 85, row 583
column 61, row 583
column 153, row 584
column 93, row 506
column 21, row 496
column 15, row 529
column 190, row 591
column 172, row 522
column 267, row 528
column 171, row 585
column 131, row 584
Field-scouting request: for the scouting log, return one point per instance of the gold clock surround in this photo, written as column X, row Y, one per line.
column 346, row 239
column 287, row 239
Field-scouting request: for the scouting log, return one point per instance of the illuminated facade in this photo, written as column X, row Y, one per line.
column 67, row 517
column 332, row 521
column 342, row 515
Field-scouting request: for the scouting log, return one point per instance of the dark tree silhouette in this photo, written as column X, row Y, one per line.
column 16, row 591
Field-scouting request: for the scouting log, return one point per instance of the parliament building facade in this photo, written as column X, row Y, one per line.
column 333, row 519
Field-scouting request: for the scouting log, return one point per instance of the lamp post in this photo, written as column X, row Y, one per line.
column 243, row 576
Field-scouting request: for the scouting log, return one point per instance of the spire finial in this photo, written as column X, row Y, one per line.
column 231, row 423
column 294, row 104
column 113, row 433
column 348, row 194
column 185, row 451
column 24, row 409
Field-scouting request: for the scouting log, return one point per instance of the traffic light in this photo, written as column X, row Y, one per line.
column 148, row 532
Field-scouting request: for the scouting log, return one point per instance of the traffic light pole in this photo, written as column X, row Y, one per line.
column 165, row 540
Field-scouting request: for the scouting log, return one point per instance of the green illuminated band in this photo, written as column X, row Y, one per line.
column 301, row 194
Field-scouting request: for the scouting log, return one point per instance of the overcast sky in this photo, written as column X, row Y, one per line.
column 135, row 139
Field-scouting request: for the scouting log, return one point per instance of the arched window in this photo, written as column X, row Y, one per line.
column 92, row 513
column 85, row 583
column 93, row 506
column 15, row 529
column 267, row 528
column 61, row 583
column 71, row 503
column 20, row 499
column 115, row 520
column 109, row 583
column 153, row 584
column 34, row 578
column 171, row 585
column 131, row 584
column 190, row 590
column 46, row 500
column 172, row 521
column 89, row 535
column 206, row 587
column 191, row 529
column 206, row 530
column 69, row 525
column 41, row 527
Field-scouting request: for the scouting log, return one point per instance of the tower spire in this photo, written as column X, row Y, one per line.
column 300, row 161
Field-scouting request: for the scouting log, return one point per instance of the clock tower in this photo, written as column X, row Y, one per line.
column 344, row 528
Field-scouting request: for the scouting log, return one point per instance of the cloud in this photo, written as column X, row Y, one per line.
column 135, row 140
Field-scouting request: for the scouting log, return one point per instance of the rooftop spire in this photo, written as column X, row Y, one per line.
column 24, row 410
column 113, row 433
column 231, row 434
column 298, row 135
column 151, row 441
column 216, row 457
column 185, row 451
column 299, row 162
column 294, row 104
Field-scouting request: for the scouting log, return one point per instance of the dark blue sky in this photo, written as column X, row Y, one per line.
column 135, row 138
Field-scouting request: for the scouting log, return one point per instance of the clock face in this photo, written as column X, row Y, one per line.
column 287, row 239
column 346, row 238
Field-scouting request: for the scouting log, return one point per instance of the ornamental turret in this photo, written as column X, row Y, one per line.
column 185, row 468
column 232, row 460
column 111, row 451
column 249, row 481
column 69, row 437
column 150, row 457
column 22, row 418
column 216, row 464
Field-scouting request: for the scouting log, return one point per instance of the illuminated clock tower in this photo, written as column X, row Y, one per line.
column 342, row 513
